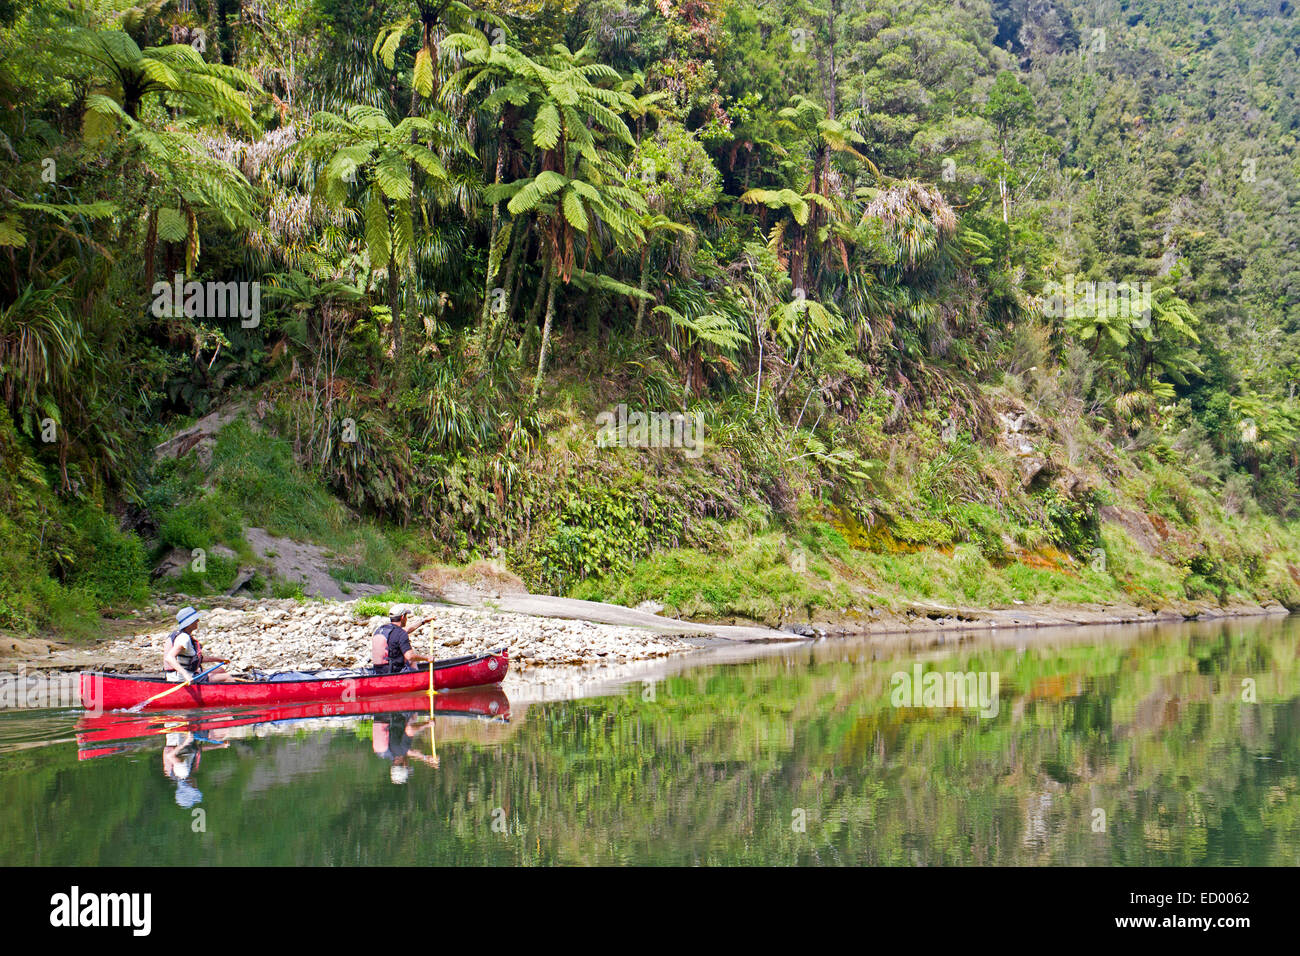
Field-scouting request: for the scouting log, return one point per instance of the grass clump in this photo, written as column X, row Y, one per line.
column 254, row 481
column 381, row 604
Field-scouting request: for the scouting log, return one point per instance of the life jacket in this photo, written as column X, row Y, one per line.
column 190, row 661
column 380, row 650
column 379, row 646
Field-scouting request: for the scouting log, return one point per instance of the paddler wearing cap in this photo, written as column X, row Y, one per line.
column 390, row 647
column 183, row 659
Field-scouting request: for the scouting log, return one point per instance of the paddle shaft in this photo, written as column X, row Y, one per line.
column 433, row 742
column 171, row 690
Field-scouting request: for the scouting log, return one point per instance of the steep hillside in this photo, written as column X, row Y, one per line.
column 748, row 310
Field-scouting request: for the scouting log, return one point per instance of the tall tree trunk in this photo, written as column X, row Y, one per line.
column 492, row 239
column 511, row 281
column 539, row 300
column 213, row 32
column 412, row 275
column 511, row 284
column 394, row 302
column 645, row 281
column 535, row 312
column 832, row 91
column 553, row 281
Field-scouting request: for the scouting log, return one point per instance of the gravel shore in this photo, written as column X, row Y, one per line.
column 288, row 635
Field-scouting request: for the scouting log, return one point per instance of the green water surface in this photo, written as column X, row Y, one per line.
column 1117, row 746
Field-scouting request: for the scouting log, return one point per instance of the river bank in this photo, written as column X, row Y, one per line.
column 552, row 641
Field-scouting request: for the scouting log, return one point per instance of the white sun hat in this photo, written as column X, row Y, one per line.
column 186, row 616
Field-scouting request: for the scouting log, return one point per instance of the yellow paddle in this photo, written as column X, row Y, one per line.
column 171, row 690
column 433, row 744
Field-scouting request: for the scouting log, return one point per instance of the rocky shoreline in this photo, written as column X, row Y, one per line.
column 551, row 640
column 285, row 634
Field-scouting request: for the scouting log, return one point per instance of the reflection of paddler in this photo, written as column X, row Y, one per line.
column 391, row 737
column 182, row 754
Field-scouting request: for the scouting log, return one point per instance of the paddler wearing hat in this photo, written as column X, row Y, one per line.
column 390, row 647
column 183, row 659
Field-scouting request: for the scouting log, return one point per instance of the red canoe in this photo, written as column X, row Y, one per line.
column 117, row 691
column 101, row 734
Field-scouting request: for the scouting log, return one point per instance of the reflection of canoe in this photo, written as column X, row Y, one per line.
column 118, row 691
column 97, row 734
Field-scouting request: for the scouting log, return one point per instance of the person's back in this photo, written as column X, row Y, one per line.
column 390, row 645
column 388, row 649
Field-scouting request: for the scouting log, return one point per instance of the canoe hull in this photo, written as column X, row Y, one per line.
column 114, row 691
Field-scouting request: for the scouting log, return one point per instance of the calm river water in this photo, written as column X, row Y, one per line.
column 1128, row 746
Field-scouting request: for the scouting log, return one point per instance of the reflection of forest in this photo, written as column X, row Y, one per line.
column 448, row 729
column 713, row 766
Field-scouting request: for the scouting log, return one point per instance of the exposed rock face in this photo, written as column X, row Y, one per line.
column 1017, row 430
column 175, row 561
column 288, row 635
column 291, row 560
column 278, row 559
column 1138, row 525
column 199, row 437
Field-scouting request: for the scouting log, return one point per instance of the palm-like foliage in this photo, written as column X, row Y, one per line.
column 13, row 231
column 40, row 346
column 1160, row 345
column 558, row 91
column 186, row 178
column 177, row 74
column 572, row 206
column 322, row 307
column 691, row 335
column 817, row 207
column 430, row 16
column 576, row 194
column 652, row 226
column 915, row 218
column 1266, row 424
column 367, row 162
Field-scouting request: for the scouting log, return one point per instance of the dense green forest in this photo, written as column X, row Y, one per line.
column 980, row 301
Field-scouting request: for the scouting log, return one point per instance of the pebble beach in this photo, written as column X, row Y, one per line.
column 284, row 634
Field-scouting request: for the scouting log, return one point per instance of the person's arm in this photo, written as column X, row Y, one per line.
column 419, row 625
column 408, row 653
